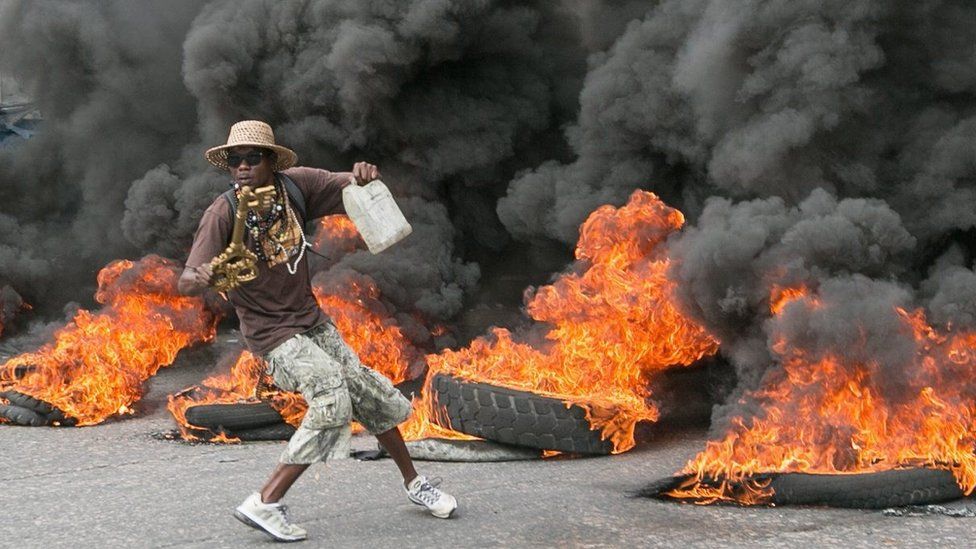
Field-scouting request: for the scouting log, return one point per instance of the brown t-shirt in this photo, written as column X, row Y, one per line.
column 276, row 305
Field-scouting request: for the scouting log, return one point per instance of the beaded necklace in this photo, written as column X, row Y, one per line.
column 262, row 229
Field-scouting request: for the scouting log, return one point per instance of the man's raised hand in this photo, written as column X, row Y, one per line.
column 364, row 172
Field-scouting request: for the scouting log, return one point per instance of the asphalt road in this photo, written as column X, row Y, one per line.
column 115, row 485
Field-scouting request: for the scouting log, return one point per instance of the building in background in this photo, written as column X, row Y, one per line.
column 19, row 117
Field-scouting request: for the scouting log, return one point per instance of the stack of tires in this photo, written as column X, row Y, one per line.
column 28, row 411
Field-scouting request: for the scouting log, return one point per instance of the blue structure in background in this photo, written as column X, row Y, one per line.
column 18, row 122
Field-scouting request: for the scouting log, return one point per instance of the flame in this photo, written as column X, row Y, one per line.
column 238, row 385
column 246, row 382
column 368, row 328
column 830, row 416
column 609, row 327
column 336, row 233
column 96, row 365
column 423, row 423
column 781, row 297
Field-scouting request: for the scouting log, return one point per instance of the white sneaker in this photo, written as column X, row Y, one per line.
column 270, row 518
column 423, row 492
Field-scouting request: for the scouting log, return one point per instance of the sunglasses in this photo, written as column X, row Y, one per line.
column 252, row 158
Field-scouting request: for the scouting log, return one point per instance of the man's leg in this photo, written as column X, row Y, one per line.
column 379, row 407
column 284, row 475
column 392, row 441
column 299, row 364
column 418, row 488
column 261, row 509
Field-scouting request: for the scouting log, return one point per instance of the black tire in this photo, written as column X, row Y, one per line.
column 515, row 417
column 57, row 416
column 23, row 416
column 233, row 417
column 22, row 370
column 49, row 413
column 660, row 487
column 411, row 388
column 440, row 449
column 895, row 488
column 278, row 431
column 27, row 401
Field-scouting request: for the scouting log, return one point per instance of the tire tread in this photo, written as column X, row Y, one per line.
column 233, row 417
column 517, row 417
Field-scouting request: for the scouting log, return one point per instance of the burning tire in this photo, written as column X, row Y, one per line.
column 515, row 417
column 23, row 416
column 27, row 401
column 233, row 417
column 278, row 431
column 895, row 488
column 28, row 411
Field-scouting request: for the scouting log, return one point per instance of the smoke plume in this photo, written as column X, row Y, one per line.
column 827, row 145
column 824, row 145
column 106, row 77
column 449, row 98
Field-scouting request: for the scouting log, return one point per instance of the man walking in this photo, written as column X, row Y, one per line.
column 281, row 320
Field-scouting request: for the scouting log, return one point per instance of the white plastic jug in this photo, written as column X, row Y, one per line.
column 376, row 215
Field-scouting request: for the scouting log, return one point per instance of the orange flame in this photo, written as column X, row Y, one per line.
column 368, row 328
column 96, row 365
column 613, row 325
column 610, row 326
column 246, row 382
column 423, row 423
column 336, row 233
column 830, row 416
column 238, row 386
column 781, row 297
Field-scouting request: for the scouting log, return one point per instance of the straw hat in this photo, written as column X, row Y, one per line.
column 252, row 133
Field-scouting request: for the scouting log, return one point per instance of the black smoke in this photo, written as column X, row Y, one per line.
column 824, row 144
column 449, row 98
column 106, row 77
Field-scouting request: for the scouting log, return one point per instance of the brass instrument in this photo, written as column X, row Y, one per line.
column 237, row 264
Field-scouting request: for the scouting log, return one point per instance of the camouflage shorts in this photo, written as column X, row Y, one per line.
column 337, row 387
